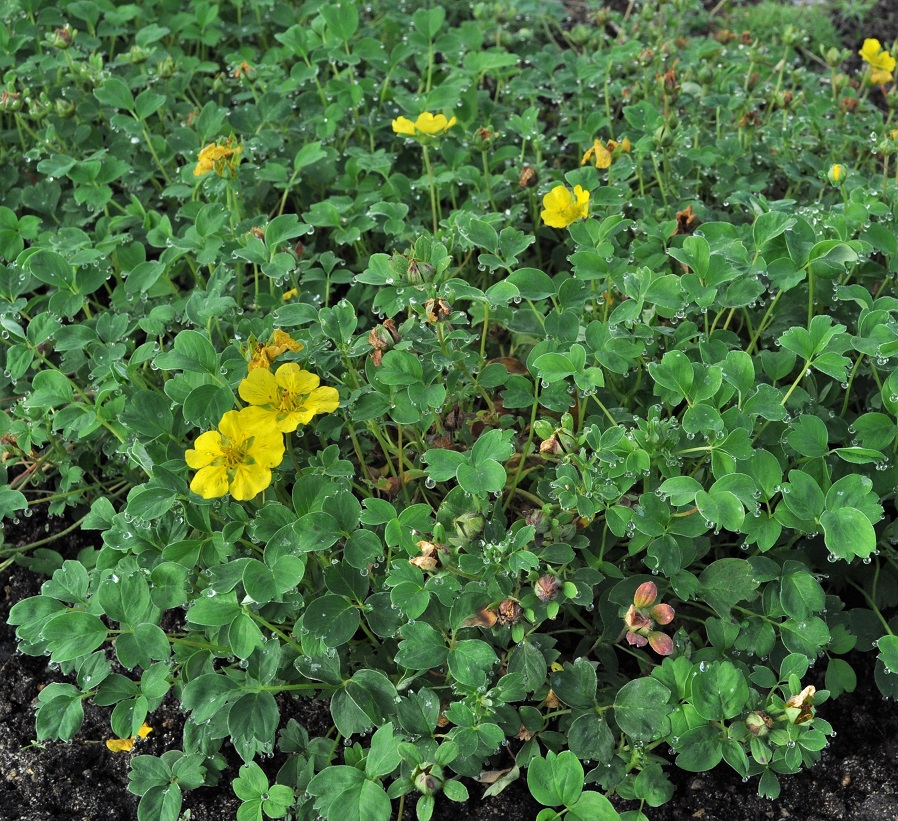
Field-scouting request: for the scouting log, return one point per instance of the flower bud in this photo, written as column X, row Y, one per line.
column 836, row 174
column 663, row 613
column 39, row 108
column 663, row 137
column 10, row 100
column 833, row 57
column 64, row 108
column 62, row 38
column 484, row 137
column 645, row 595
column 137, row 55
column 429, row 779
column 546, row 588
column 790, row 35
column 166, row 68
column 528, row 178
column 661, row 643
column 758, row 723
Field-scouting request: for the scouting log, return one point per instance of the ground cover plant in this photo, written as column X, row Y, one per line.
column 523, row 385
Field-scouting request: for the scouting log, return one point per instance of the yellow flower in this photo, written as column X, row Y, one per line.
column 432, row 125
column 836, row 174
column 562, row 207
column 237, row 458
column 880, row 76
column 124, row 745
column 873, row 53
column 218, row 158
column 600, row 154
column 286, row 399
column 261, row 356
column 288, row 295
column 603, row 154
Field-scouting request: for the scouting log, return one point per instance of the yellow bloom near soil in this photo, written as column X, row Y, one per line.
column 237, row 458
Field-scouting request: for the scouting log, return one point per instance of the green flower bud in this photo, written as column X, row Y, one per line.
column 62, row 38
column 166, row 68
column 64, row 108
column 663, row 137
column 429, row 779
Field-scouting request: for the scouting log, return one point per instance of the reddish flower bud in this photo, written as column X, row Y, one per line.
column 645, row 595
column 661, row 643
column 663, row 613
column 635, row 638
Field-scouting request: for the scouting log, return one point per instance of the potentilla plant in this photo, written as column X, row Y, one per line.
column 523, row 391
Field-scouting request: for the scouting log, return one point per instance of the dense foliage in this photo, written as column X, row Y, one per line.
column 522, row 385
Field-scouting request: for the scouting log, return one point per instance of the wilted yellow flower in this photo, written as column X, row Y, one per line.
column 237, row 458
column 603, row 154
column 261, row 356
column 124, row 745
column 430, row 124
column 222, row 159
column 873, row 53
column 286, row 399
column 599, row 154
column 288, row 295
column 563, row 207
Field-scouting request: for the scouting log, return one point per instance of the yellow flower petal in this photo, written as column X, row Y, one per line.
column 259, row 388
column 249, row 481
column 119, row 745
column 267, row 448
column 403, row 125
column 210, row 482
column 873, row 53
column 144, row 730
column 205, row 450
column 231, row 427
column 428, row 123
column 294, row 379
column 322, row 400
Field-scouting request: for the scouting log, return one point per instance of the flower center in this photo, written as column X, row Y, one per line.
column 235, row 453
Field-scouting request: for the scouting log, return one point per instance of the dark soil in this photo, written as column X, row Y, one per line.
column 856, row 780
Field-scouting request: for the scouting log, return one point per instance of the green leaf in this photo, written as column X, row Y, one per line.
column 252, row 721
column 333, row 619
column 480, row 233
column 365, row 700
column 576, row 684
column 641, row 709
column 115, row 92
column 488, row 477
column 593, row 806
column 72, row 634
column 383, row 754
column 847, row 533
column 556, row 779
column 719, row 690
column 60, row 712
column 726, row 582
column 342, row 19
column 590, row 738
column 471, row 662
column 421, row 647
